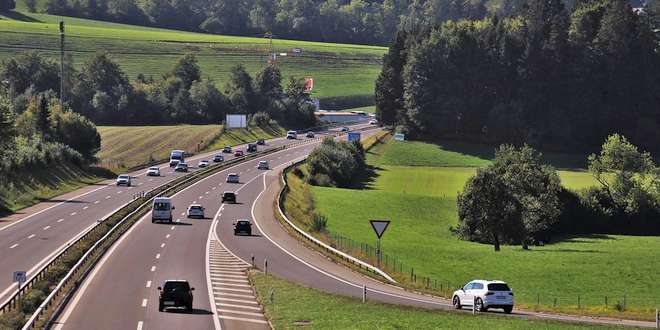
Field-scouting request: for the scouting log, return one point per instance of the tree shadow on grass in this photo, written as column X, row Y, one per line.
column 367, row 178
column 20, row 17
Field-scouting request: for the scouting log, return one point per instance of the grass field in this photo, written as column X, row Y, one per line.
column 296, row 306
column 421, row 203
column 130, row 146
column 36, row 185
column 153, row 51
column 367, row 109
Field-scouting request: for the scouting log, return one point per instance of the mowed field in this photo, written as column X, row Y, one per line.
column 296, row 306
column 153, row 51
column 415, row 187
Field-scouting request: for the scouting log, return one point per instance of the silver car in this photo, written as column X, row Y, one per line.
column 232, row 178
column 124, row 179
column 195, row 211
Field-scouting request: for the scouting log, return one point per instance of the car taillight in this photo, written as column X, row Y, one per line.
column 489, row 293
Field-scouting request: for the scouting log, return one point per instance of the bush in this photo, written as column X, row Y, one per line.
column 319, row 223
column 32, row 300
column 336, row 163
column 12, row 320
column 260, row 119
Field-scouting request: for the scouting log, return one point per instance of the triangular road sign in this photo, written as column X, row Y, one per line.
column 379, row 226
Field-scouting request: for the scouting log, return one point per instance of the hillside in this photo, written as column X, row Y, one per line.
column 153, row 51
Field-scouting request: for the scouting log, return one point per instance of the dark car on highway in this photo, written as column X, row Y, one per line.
column 252, row 147
column 218, row 158
column 226, row 149
column 181, row 167
column 261, row 142
column 175, row 293
column 242, row 227
column 228, row 197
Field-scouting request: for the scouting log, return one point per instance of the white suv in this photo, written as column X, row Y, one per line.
column 484, row 295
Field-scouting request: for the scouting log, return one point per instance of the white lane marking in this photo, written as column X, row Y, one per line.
column 129, row 188
column 242, row 295
column 144, row 302
column 32, row 236
column 224, row 317
column 157, row 255
column 48, row 208
column 209, row 285
column 96, row 202
column 172, row 228
column 178, row 220
column 150, row 180
column 233, row 311
column 148, row 284
column 162, row 245
column 167, row 236
column 153, row 268
column 60, row 220
column 46, row 228
column 139, row 184
column 85, row 208
column 200, row 197
column 213, row 188
column 252, row 302
column 206, row 193
column 74, row 213
column 239, row 306
column 119, row 192
column 231, row 290
column 13, row 246
column 108, row 197
column 139, row 326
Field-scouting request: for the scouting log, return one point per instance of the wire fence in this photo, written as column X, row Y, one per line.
column 406, row 273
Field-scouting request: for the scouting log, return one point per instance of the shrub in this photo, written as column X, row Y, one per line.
column 319, row 223
column 12, row 320
column 32, row 300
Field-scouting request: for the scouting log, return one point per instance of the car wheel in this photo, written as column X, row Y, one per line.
column 153, row 221
column 160, row 307
column 508, row 309
column 479, row 305
column 457, row 303
column 189, row 307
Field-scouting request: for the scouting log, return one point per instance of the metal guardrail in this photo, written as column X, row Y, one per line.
column 157, row 191
column 318, row 242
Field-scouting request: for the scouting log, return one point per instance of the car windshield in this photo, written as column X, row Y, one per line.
column 123, row 176
column 243, row 223
column 161, row 206
column 153, row 169
column 498, row 287
column 195, row 207
column 176, row 286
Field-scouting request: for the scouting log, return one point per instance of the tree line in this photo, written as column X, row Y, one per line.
column 352, row 21
column 519, row 200
column 553, row 78
column 102, row 92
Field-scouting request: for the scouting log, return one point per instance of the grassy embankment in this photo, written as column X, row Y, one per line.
column 296, row 306
column 125, row 147
column 154, row 51
column 415, row 186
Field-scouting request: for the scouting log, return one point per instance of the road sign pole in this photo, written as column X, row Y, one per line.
column 364, row 294
column 378, row 253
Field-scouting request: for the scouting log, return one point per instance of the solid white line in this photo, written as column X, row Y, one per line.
column 148, row 284
column 46, row 228
column 139, row 326
column 32, row 236
column 239, row 306
column 241, row 319
column 153, row 268
column 209, row 286
column 144, row 302
column 13, row 246
column 48, row 208
column 252, row 302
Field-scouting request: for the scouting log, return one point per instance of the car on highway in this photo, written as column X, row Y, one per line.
column 161, row 209
column 344, row 129
column 252, row 147
column 218, row 158
column 177, row 156
column 228, row 197
column 310, row 134
column 291, row 135
column 226, row 149
column 238, row 153
column 181, row 167
column 203, row 163
column 232, row 178
column 484, row 294
column 261, row 142
column 242, row 226
column 153, row 171
column 124, row 180
column 263, row 165
column 195, row 211
column 175, row 293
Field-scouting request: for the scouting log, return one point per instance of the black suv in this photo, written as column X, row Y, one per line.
column 228, row 197
column 243, row 227
column 175, row 293
column 226, row 149
column 261, row 142
column 252, row 147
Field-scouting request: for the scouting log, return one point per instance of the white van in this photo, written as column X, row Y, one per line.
column 162, row 209
column 291, row 135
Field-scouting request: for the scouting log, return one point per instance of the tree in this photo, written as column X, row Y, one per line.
column 187, row 70
column 42, row 119
column 7, row 5
column 298, row 108
column 268, row 83
column 513, row 200
column 628, row 176
column 31, row 5
column 79, row 133
column 209, row 102
column 239, row 90
column 7, row 125
column 389, row 85
column 31, row 69
column 57, row 7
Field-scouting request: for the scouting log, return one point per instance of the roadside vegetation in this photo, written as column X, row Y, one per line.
column 422, row 250
column 294, row 305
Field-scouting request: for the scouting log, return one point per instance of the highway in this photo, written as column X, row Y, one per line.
column 32, row 237
column 121, row 291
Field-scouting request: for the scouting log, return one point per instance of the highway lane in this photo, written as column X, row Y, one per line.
column 124, row 284
column 30, row 242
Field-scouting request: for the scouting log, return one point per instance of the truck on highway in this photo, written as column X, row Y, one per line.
column 162, row 209
column 177, row 156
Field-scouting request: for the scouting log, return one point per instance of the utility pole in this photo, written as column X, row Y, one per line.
column 271, row 54
column 61, row 65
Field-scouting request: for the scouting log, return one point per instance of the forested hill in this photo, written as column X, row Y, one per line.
column 346, row 21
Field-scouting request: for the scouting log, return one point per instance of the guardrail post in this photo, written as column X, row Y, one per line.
column 364, row 294
column 657, row 319
column 252, row 258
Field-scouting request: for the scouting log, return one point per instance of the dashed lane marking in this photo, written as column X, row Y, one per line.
column 13, row 246
column 74, row 213
column 46, row 228
column 148, row 284
column 153, row 268
column 32, row 236
column 144, row 302
column 60, row 220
